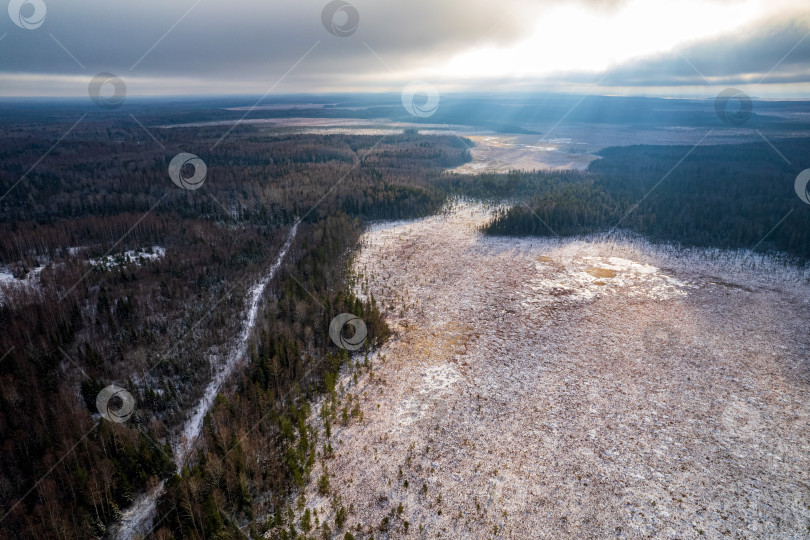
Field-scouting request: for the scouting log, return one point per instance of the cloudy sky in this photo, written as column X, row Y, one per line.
column 649, row 47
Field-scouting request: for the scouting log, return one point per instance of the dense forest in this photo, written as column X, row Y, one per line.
column 121, row 277
column 241, row 484
column 728, row 196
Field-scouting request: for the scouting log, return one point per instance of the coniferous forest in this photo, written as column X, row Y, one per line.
column 727, row 196
column 84, row 231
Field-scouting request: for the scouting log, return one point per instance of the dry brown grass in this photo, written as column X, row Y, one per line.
column 601, row 273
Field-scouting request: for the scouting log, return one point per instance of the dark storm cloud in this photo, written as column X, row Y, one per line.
column 777, row 51
column 245, row 37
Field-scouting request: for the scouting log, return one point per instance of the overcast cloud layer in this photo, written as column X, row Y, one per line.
column 251, row 46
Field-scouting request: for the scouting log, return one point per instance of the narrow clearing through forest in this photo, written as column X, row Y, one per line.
column 138, row 519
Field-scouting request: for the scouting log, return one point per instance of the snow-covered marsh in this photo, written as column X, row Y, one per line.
column 593, row 387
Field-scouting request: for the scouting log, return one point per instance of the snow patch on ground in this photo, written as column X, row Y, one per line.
column 7, row 278
column 437, row 381
column 31, row 279
column 138, row 257
column 568, row 272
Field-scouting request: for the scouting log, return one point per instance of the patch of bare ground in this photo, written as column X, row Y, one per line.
column 571, row 389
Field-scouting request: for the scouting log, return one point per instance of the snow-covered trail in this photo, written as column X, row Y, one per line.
column 138, row 518
column 192, row 427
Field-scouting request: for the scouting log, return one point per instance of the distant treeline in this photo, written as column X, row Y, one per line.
column 90, row 185
column 727, row 196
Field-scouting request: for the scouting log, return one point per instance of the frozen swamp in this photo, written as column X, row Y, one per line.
column 588, row 388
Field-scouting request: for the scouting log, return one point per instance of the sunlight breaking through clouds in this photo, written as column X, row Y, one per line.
column 574, row 38
column 638, row 46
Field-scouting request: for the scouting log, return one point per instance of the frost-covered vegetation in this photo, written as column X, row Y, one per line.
column 568, row 388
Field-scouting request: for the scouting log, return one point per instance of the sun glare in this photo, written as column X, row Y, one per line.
column 573, row 38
